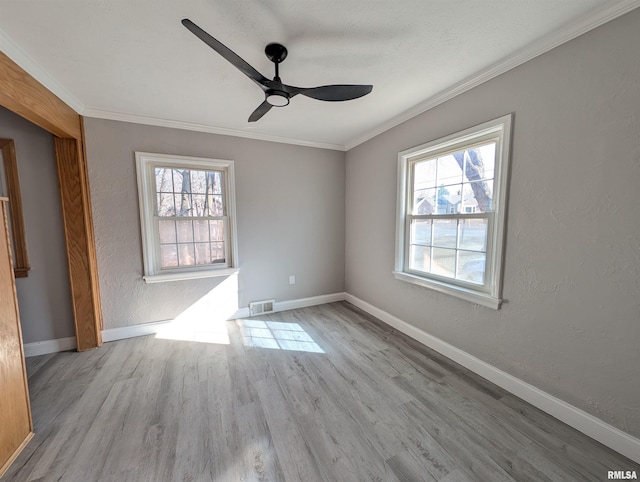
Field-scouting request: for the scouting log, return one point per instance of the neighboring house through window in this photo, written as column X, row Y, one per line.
column 452, row 196
column 188, row 216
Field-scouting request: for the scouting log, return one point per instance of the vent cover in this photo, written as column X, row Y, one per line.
column 260, row 307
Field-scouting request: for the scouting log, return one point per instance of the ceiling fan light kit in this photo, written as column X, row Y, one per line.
column 276, row 93
column 277, row 98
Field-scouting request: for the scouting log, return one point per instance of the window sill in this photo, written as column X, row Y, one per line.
column 466, row 294
column 186, row 275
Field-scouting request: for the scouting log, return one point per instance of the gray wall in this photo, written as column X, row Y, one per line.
column 290, row 217
column 44, row 297
column 570, row 324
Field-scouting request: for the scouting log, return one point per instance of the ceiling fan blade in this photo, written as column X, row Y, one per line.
column 334, row 93
column 227, row 53
column 260, row 111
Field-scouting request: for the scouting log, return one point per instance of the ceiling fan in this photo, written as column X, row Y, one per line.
column 276, row 93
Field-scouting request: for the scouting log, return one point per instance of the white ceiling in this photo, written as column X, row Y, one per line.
column 133, row 60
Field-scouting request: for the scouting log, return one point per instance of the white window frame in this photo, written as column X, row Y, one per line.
column 146, row 162
column 490, row 293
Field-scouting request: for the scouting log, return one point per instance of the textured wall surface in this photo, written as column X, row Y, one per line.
column 290, row 218
column 570, row 324
column 44, row 297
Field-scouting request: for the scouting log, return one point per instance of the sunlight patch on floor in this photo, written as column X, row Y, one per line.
column 277, row 336
column 201, row 332
column 205, row 321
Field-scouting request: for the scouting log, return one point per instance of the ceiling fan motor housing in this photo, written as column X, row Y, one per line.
column 275, row 52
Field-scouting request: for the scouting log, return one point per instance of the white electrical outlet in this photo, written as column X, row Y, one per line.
column 292, row 280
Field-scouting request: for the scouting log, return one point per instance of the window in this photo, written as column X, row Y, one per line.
column 452, row 196
column 188, row 216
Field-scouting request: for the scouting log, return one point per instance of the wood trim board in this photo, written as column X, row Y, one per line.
column 27, row 97
column 15, row 454
column 22, row 94
column 20, row 257
column 15, row 406
column 78, row 233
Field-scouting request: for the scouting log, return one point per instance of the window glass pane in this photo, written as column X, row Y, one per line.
column 201, row 231
column 421, row 232
column 167, row 232
column 185, row 231
column 203, row 253
column 180, row 182
column 473, row 234
column 471, row 266
column 449, row 171
column 448, row 199
column 215, row 205
column 186, row 255
column 169, row 256
column 424, row 174
column 216, row 229
column 198, row 182
column 420, row 258
column 215, row 180
column 165, row 205
column 445, row 233
column 424, row 201
column 164, row 181
column 443, row 262
column 198, row 205
column 217, row 252
column 183, row 204
column 480, row 162
column 477, row 197
column 195, row 193
column 208, row 203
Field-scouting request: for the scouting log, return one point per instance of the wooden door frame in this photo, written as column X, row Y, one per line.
column 22, row 94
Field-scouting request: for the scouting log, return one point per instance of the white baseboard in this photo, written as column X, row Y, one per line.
column 295, row 304
column 595, row 428
column 49, row 346
column 113, row 334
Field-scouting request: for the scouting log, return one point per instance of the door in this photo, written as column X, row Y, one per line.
column 16, row 428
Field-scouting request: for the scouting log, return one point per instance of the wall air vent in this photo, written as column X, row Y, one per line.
column 261, row 307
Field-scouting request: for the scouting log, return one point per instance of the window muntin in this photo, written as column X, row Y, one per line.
column 451, row 212
column 187, row 213
column 190, row 215
column 457, row 183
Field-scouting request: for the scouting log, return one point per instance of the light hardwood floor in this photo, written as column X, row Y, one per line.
column 339, row 396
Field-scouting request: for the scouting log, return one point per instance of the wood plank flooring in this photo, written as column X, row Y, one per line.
column 326, row 393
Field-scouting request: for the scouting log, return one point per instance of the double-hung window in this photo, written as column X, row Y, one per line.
column 452, row 196
column 187, row 215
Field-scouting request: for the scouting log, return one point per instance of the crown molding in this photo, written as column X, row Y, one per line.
column 594, row 19
column 190, row 126
column 20, row 57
